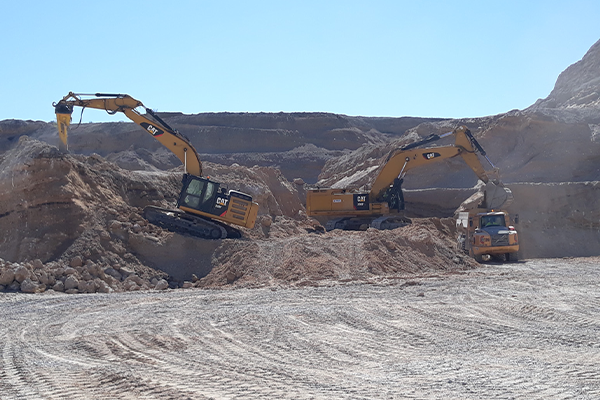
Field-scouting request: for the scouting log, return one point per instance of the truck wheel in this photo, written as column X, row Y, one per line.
column 512, row 257
column 477, row 257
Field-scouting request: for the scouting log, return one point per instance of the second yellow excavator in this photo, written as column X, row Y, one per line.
column 382, row 207
column 205, row 209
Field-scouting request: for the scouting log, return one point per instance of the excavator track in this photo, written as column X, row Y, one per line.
column 387, row 222
column 361, row 224
column 188, row 224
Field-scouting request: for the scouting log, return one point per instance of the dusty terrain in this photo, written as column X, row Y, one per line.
column 526, row 330
column 97, row 303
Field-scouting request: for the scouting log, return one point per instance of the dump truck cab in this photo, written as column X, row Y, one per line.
column 487, row 234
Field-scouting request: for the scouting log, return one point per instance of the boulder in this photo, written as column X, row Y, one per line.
column 28, row 286
column 161, row 285
column 7, row 276
column 102, row 287
column 76, row 261
column 37, row 264
column 110, row 271
column 59, row 286
column 71, row 282
column 22, row 273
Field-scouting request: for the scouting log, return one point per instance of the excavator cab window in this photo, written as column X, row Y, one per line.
column 199, row 194
column 208, row 194
column 193, row 192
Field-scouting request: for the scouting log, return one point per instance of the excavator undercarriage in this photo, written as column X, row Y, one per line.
column 189, row 224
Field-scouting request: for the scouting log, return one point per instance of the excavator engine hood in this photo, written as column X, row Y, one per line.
column 63, row 120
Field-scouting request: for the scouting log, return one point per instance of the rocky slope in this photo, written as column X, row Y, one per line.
column 576, row 94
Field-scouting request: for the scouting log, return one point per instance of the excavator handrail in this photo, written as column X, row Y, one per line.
column 177, row 143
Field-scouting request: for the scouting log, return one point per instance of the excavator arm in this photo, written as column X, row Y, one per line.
column 401, row 161
column 152, row 123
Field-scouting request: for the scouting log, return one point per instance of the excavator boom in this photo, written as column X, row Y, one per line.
column 399, row 162
column 152, row 123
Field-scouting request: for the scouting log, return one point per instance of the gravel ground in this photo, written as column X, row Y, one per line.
column 527, row 330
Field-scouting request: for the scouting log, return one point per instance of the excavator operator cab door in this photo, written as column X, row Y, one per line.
column 203, row 195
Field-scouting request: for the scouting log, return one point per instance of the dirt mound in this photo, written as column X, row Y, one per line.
column 425, row 247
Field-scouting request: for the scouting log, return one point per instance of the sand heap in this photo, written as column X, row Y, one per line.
column 425, row 247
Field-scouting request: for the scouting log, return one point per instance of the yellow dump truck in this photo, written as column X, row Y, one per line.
column 486, row 234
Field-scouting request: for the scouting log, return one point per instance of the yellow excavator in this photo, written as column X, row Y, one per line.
column 382, row 207
column 205, row 209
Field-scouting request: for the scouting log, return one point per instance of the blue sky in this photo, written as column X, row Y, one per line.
column 448, row 59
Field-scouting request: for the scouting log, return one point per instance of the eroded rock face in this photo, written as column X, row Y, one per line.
column 296, row 143
column 578, row 86
column 558, row 219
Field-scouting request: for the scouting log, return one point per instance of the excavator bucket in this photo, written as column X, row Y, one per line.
column 63, row 120
column 497, row 196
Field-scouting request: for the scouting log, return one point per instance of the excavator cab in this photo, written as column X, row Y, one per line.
column 202, row 194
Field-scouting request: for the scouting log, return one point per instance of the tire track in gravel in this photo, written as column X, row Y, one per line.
column 526, row 330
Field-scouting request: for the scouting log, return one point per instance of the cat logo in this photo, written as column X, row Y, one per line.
column 154, row 131
column 429, row 156
column 222, row 202
column 360, row 202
